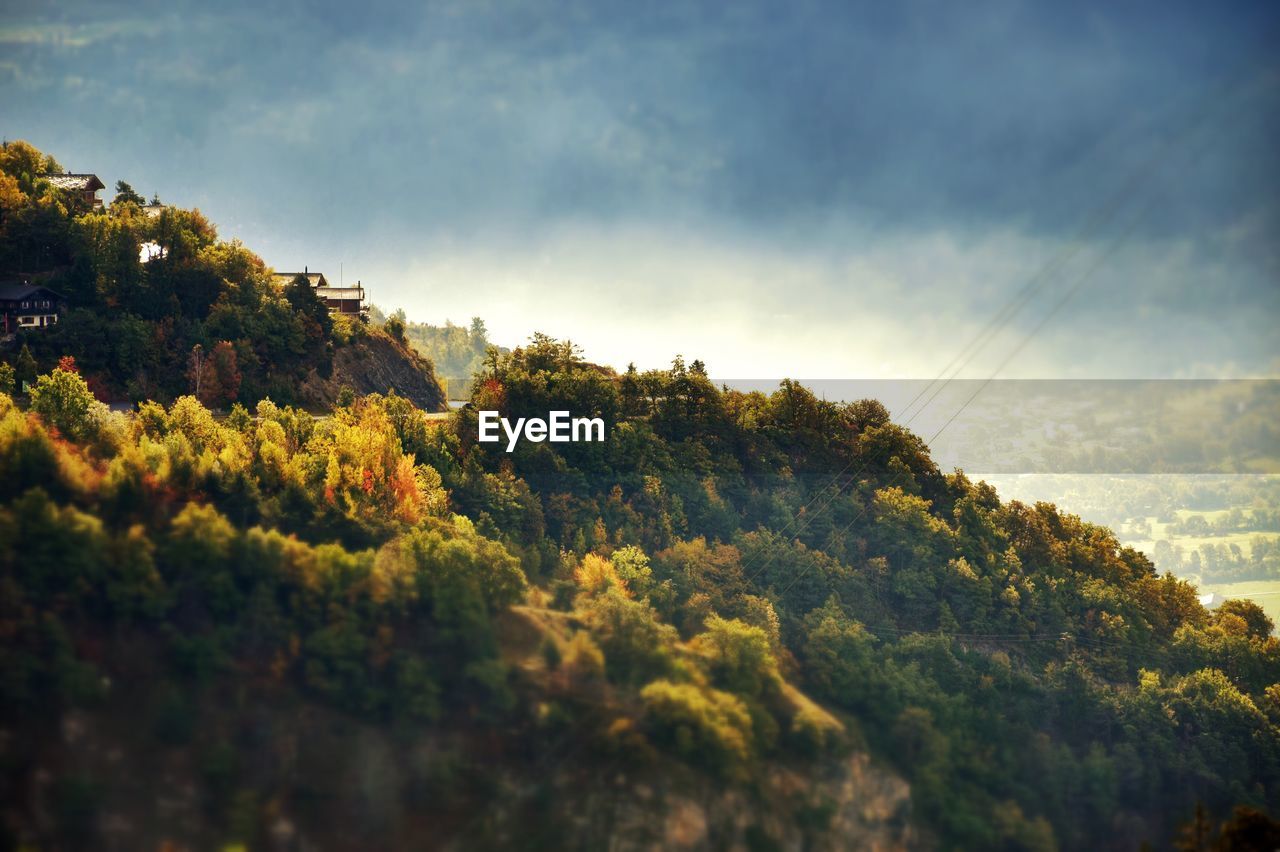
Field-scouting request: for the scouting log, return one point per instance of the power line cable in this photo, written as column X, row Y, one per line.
column 1115, row 204
column 1066, row 297
column 1100, row 217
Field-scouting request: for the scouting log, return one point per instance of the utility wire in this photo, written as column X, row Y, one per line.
column 963, row 358
column 1099, row 218
column 1106, row 213
column 1066, row 297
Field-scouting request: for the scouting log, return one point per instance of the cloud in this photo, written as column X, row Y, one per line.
column 874, row 307
column 820, row 181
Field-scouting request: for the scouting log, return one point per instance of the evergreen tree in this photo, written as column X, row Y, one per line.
column 25, row 369
column 126, row 195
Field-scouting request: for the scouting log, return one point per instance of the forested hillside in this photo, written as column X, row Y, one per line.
column 370, row 631
column 458, row 352
column 157, row 306
column 322, row 619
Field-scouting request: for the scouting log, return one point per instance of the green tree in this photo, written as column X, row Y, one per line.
column 64, row 401
column 738, row 657
column 636, row 645
column 706, row 726
column 126, row 195
column 25, row 370
column 394, row 326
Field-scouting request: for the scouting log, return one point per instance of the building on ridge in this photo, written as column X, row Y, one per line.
column 339, row 300
column 82, row 187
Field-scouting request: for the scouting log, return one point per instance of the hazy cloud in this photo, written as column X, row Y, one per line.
column 848, row 186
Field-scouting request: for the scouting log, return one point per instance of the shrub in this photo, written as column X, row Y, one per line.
column 583, row 659
column 738, row 657
column 704, row 726
column 636, row 645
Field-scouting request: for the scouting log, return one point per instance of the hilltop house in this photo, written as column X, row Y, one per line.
column 24, row 305
column 81, row 186
column 339, row 300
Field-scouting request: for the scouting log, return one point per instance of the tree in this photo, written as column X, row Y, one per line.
column 631, row 566
column 316, row 322
column 636, row 645
column 25, row 370
column 394, row 326
column 38, row 235
column 1249, row 829
column 738, row 657
column 200, row 372
column 706, row 725
column 126, row 195
column 1255, row 619
column 6, row 378
column 1194, row 835
column 27, row 164
column 479, row 334
column 595, row 574
column 11, row 196
column 226, row 372
column 214, row 377
column 63, row 400
column 917, row 740
column 840, row 660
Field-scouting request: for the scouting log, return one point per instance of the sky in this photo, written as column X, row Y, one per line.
column 808, row 189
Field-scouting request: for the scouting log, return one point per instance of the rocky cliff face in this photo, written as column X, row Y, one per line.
column 377, row 364
column 849, row 803
column 282, row 773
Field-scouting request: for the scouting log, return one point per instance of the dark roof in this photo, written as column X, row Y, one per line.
column 75, row 181
column 17, row 290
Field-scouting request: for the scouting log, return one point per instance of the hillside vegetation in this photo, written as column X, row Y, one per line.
column 458, row 352
column 744, row 620
column 134, row 317
column 372, row 630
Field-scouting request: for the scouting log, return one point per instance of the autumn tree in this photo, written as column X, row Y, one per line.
column 226, row 372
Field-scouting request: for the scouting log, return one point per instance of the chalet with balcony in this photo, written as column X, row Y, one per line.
column 343, row 300
column 82, row 187
column 27, row 306
column 339, row 300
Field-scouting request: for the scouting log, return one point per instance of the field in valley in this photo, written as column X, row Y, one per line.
column 1266, row 593
column 1154, row 512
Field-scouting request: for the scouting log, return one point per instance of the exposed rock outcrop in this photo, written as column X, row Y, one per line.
column 377, row 364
